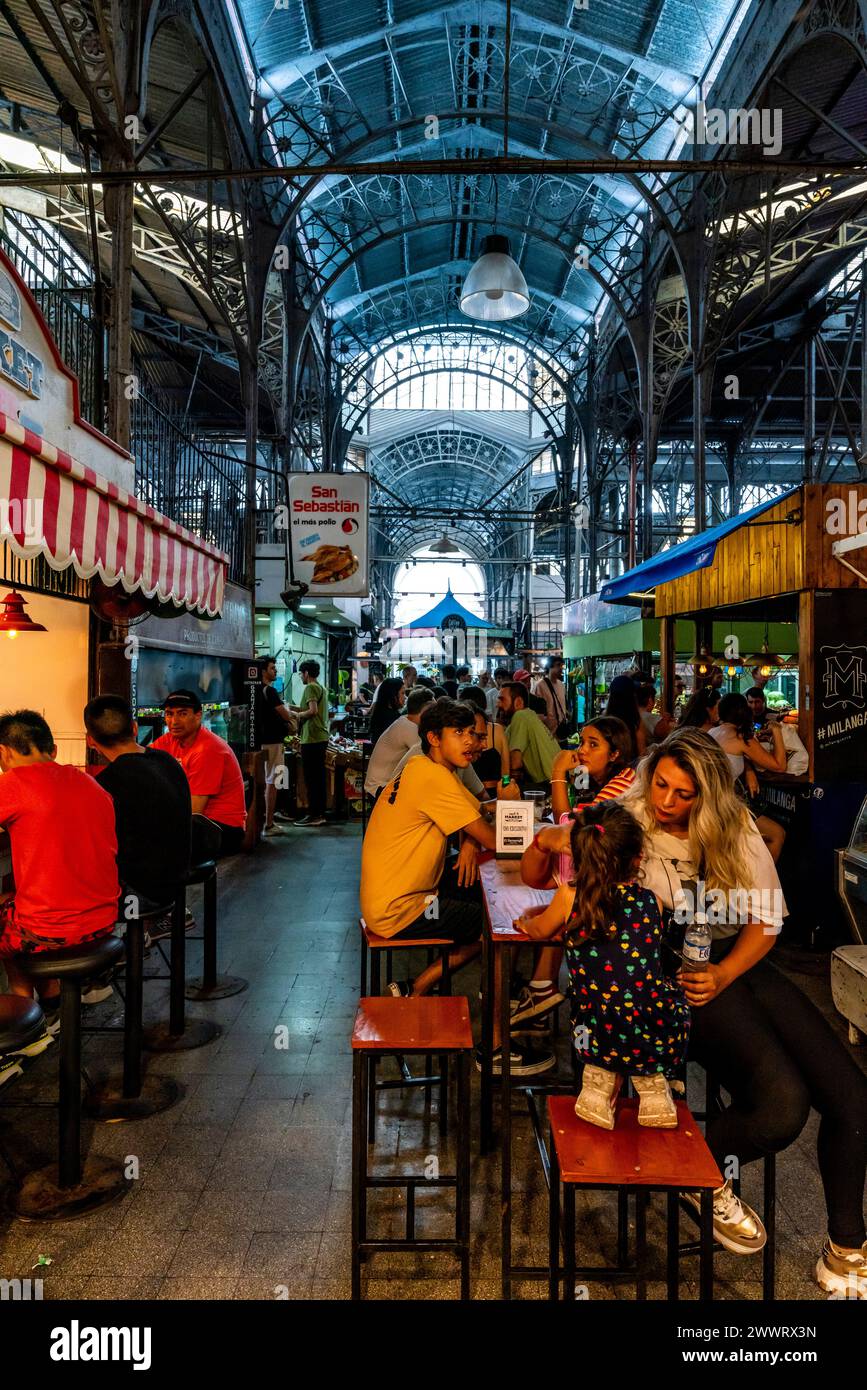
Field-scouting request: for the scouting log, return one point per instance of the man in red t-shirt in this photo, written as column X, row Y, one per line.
column 214, row 775
column 61, row 829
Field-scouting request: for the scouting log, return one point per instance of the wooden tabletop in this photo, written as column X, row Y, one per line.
column 630, row 1154
column 507, row 896
column 427, row 1023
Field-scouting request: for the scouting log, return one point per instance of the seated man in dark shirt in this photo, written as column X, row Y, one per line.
column 152, row 804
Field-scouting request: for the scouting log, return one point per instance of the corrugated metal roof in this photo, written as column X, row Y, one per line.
column 603, row 78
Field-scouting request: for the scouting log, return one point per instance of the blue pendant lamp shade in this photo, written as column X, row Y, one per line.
column 495, row 289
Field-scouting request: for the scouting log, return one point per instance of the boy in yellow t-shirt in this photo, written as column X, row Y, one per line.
column 406, row 889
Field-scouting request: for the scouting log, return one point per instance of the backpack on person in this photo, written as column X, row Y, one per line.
column 563, row 717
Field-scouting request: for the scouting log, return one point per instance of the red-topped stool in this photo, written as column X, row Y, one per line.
column 631, row 1159
column 407, row 1026
column 372, row 947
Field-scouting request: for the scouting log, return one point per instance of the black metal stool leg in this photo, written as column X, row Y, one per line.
column 139, row 1096
column 359, row 1168
column 553, row 1221
column 69, row 1103
column 68, row 1189
column 769, row 1254
column 462, row 1063
column 672, row 1271
column 212, row 985
column 179, row 1035
column 622, row 1227
column 569, row 1242
column 641, row 1245
column 706, row 1254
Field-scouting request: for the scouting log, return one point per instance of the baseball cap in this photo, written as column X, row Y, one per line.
column 183, row 699
column 522, row 675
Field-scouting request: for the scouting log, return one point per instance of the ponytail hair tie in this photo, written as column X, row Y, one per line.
column 599, row 827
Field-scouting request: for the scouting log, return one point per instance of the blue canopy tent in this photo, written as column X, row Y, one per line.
column 448, row 607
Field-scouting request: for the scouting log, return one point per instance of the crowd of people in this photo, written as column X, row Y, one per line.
column 87, row 850
column 653, row 830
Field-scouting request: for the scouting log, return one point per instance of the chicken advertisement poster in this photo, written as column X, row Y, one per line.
column 328, row 532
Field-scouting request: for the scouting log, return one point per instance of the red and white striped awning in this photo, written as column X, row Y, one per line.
column 52, row 505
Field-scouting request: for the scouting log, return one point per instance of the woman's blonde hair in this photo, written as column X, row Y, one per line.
column 718, row 822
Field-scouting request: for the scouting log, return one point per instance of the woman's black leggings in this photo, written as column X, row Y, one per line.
column 776, row 1055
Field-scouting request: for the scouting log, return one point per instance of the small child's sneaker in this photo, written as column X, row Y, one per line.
column 656, row 1107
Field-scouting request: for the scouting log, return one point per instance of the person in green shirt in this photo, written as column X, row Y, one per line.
column 313, row 716
column 532, row 747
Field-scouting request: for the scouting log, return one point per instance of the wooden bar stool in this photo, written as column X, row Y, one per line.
column 69, row 1189
column 630, row 1159
column 408, row 1026
column 372, row 947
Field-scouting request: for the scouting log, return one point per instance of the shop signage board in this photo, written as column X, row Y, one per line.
column 840, row 685
column 232, row 636
column 328, row 520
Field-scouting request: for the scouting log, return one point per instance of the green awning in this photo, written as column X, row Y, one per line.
column 642, row 635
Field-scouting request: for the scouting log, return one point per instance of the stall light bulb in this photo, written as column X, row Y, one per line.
column 12, row 634
column 765, row 670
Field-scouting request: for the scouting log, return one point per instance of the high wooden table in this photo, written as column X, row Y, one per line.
column 505, row 897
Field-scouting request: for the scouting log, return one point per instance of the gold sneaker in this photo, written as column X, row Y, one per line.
column 735, row 1225
column 842, row 1273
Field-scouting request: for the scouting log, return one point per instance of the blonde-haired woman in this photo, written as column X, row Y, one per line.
column 770, row 1048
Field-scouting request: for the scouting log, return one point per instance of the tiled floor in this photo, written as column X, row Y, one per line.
column 243, row 1187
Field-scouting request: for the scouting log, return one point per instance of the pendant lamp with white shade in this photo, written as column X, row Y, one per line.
column 495, row 289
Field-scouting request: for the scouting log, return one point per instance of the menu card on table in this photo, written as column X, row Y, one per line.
column 515, row 828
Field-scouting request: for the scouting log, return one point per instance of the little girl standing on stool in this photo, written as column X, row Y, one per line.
column 628, row 1019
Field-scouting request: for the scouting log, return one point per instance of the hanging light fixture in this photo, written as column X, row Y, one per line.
column 13, row 619
column 703, row 663
column 766, row 662
column 444, row 546
column 495, row 289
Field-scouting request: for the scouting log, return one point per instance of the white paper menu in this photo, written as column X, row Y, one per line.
column 515, row 828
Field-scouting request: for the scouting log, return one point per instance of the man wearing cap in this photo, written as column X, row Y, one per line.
column 214, row 775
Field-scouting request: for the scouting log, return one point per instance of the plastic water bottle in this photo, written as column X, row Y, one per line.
column 696, row 944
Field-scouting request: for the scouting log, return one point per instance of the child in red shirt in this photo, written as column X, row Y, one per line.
column 62, row 833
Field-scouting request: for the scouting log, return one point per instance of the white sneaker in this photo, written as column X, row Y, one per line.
column 735, row 1225
column 597, row 1099
column 97, row 994
column 842, row 1273
column 656, row 1108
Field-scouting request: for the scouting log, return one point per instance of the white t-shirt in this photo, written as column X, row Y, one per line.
column 736, row 760
column 467, row 776
column 667, row 865
column 390, row 748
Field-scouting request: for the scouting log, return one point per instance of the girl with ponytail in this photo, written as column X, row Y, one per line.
column 628, row 1018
